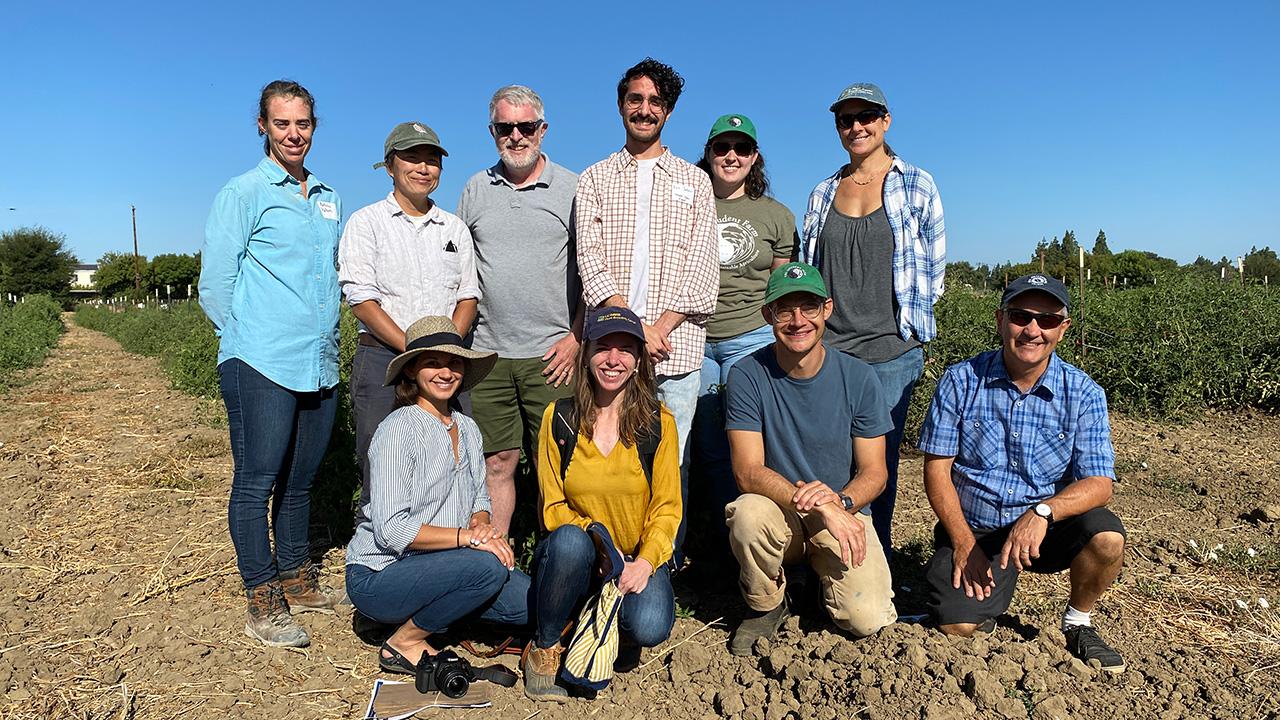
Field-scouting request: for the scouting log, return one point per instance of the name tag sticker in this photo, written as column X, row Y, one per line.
column 327, row 209
column 682, row 194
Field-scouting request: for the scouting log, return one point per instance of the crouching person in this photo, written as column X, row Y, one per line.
column 425, row 554
column 1018, row 468
column 608, row 455
column 801, row 420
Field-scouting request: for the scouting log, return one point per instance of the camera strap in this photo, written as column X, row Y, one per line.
column 496, row 674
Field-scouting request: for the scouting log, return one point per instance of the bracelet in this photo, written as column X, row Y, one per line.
column 458, row 543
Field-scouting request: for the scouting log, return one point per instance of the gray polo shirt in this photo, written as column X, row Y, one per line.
column 525, row 259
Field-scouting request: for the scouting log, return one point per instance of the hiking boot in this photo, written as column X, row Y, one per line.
column 302, row 589
column 269, row 618
column 1083, row 642
column 540, row 667
column 628, row 656
column 758, row 625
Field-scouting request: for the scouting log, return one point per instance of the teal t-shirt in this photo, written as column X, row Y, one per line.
column 808, row 425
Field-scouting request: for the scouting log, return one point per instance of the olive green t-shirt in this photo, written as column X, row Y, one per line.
column 752, row 233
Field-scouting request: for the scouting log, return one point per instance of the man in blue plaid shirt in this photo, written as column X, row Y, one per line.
column 1018, row 468
column 874, row 229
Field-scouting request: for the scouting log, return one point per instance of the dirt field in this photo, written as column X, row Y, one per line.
column 120, row 597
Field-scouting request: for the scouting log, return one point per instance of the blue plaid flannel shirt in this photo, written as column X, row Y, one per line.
column 1013, row 450
column 919, row 242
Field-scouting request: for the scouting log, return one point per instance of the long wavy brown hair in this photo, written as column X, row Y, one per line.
column 757, row 182
column 639, row 397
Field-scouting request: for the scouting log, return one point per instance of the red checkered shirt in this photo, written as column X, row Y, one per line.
column 684, row 266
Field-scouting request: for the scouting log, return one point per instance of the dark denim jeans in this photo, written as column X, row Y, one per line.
column 898, row 378
column 436, row 589
column 278, row 438
column 371, row 403
column 565, row 574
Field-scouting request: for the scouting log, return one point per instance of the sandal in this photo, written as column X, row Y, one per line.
column 397, row 663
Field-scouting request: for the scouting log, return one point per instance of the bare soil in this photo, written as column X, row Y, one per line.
column 120, row 597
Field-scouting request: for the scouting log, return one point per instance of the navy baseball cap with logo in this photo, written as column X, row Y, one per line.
column 607, row 320
column 1037, row 282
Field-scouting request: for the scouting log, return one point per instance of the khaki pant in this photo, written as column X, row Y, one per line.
column 765, row 537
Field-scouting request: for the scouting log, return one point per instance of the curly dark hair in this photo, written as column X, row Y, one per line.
column 757, row 183
column 664, row 77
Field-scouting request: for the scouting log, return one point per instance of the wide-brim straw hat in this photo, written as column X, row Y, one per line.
column 435, row 332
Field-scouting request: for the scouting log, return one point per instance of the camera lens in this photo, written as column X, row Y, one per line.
column 454, row 684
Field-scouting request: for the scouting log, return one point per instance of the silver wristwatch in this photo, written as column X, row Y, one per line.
column 1045, row 512
column 846, row 501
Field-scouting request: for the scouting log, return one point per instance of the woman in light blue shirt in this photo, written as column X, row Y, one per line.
column 270, row 287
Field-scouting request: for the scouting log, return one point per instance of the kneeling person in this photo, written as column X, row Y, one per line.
column 1018, row 468
column 801, row 420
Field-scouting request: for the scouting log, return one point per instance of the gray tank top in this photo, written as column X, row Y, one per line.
column 857, row 266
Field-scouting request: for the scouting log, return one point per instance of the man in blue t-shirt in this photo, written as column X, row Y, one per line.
column 803, row 420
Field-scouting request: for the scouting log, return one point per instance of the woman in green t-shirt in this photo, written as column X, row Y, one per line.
column 757, row 234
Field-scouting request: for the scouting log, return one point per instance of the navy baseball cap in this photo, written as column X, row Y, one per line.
column 606, row 320
column 1038, row 282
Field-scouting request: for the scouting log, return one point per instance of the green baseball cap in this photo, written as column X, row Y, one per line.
column 862, row 91
column 795, row 277
column 407, row 135
column 733, row 123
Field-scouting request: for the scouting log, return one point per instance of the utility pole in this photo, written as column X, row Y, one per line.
column 137, row 266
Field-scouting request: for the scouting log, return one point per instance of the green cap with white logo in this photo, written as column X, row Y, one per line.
column 733, row 123
column 795, row 277
column 409, row 135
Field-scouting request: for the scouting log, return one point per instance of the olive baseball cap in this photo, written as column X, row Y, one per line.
column 795, row 277
column 407, row 135
column 733, row 123
column 862, row 91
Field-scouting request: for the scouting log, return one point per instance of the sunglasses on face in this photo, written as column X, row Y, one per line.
column 810, row 309
column 503, row 129
column 846, row 120
column 1046, row 321
column 742, row 148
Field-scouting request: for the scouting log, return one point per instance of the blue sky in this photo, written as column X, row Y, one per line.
column 1154, row 121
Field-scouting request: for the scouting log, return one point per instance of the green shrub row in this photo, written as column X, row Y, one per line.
column 28, row 330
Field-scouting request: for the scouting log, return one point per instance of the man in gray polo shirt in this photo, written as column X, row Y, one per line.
column 520, row 214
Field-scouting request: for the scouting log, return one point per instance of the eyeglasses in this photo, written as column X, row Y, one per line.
column 635, row 100
column 503, row 129
column 1046, row 321
column 844, row 121
column 810, row 309
column 720, row 148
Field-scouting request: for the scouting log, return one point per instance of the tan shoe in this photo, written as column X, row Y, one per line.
column 540, row 667
column 302, row 590
column 269, row 618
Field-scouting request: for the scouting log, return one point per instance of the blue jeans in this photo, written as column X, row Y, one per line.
column 898, row 378
column 566, row 574
column 680, row 394
column 371, row 403
column 436, row 589
column 711, row 444
column 278, row 438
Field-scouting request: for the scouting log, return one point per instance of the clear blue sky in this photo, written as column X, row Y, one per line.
column 1154, row 121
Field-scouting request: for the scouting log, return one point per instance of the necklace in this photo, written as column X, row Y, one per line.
column 447, row 422
column 873, row 175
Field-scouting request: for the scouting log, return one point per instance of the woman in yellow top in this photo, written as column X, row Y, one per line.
column 616, row 403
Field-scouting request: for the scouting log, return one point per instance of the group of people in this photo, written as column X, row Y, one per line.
column 618, row 327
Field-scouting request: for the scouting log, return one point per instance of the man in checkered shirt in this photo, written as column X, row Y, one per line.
column 646, row 223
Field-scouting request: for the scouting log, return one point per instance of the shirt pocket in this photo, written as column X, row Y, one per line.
column 450, row 270
column 1051, row 456
column 982, row 444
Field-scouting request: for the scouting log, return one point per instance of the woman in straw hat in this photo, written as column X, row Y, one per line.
column 618, row 477
column 426, row 554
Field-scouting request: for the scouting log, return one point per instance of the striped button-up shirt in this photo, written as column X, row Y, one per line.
column 684, row 265
column 269, row 281
column 413, row 481
column 919, row 241
column 412, row 269
column 1014, row 449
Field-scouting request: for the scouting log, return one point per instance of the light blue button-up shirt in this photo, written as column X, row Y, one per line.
column 269, row 278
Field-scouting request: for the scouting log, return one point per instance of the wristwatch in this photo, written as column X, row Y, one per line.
column 846, row 501
column 1045, row 512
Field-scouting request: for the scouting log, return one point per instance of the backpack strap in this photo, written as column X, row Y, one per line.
column 648, row 447
column 564, row 430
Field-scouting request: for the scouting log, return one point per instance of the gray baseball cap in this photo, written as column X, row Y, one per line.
column 862, row 91
column 407, row 135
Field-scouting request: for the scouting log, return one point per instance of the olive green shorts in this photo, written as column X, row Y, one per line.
column 508, row 404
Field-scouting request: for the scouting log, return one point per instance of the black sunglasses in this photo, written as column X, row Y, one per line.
column 865, row 117
column 1046, row 321
column 502, row 129
column 721, row 148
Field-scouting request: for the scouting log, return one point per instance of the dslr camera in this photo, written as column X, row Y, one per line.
column 444, row 672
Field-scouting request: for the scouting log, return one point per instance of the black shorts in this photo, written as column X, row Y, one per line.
column 1062, row 542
